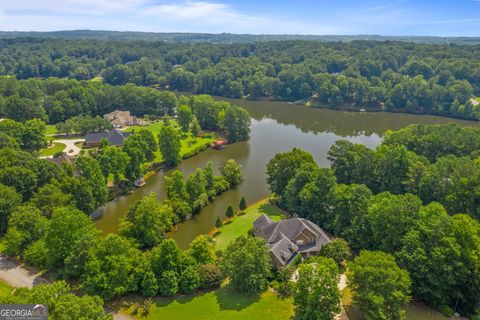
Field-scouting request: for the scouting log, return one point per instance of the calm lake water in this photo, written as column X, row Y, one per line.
column 276, row 127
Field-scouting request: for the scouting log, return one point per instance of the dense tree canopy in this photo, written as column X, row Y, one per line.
column 380, row 288
column 397, row 76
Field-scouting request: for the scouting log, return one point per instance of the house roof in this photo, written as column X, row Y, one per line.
column 275, row 234
column 62, row 159
column 262, row 222
column 114, row 137
column 283, row 250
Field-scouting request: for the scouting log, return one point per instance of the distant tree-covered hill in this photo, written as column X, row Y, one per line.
column 227, row 37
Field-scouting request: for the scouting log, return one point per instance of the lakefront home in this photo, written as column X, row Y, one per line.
column 114, row 138
column 289, row 238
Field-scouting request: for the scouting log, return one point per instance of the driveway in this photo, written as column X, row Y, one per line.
column 70, row 145
column 19, row 277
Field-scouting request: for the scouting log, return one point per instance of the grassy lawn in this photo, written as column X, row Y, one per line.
column 50, row 151
column 222, row 304
column 241, row 224
column 415, row 310
column 189, row 143
column 97, row 79
column 478, row 99
column 153, row 127
column 51, row 129
column 5, row 290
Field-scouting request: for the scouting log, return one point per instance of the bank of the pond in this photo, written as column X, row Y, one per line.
column 276, row 127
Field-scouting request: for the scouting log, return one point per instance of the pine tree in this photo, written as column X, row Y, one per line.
column 218, row 223
column 243, row 204
column 230, row 212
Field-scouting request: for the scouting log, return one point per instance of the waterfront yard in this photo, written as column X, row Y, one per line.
column 190, row 145
column 220, row 304
column 241, row 224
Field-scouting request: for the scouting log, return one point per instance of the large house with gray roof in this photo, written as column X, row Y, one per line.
column 114, row 137
column 289, row 238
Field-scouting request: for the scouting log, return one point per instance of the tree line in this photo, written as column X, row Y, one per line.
column 76, row 106
column 397, row 76
column 422, row 215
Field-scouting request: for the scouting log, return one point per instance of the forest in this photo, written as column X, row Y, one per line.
column 391, row 75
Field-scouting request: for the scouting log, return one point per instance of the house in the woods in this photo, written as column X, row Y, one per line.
column 114, row 138
column 290, row 238
column 120, row 119
column 62, row 159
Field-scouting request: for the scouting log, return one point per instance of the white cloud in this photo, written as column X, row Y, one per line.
column 215, row 16
column 147, row 15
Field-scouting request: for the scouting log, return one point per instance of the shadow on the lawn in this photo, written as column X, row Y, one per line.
column 229, row 299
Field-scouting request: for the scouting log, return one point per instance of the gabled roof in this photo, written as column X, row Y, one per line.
column 262, row 221
column 114, row 137
column 283, row 250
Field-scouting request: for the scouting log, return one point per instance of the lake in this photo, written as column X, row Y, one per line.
column 276, row 127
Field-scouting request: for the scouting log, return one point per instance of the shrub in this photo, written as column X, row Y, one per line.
column 243, row 204
column 149, row 284
column 168, row 283
column 230, row 212
column 190, row 279
column 211, row 276
column 218, row 223
column 446, row 310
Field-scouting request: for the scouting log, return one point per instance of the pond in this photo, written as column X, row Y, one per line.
column 276, row 127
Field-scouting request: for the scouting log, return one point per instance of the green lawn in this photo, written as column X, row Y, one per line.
column 50, row 151
column 222, row 304
column 415, row 310
column 51, row 129
column 189, row 143
column 97, row 79
column 153, row 127
column 5, row 290
column 241, row 224
column 478, row 99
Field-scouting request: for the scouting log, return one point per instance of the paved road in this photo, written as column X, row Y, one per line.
column 18, row 276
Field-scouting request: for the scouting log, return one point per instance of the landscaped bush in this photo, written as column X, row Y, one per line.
column 211, row 276
column 168, row 283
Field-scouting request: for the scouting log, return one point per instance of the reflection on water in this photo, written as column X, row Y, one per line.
column 276, row 127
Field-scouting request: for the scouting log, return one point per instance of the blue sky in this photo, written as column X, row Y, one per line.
column 394, row 17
